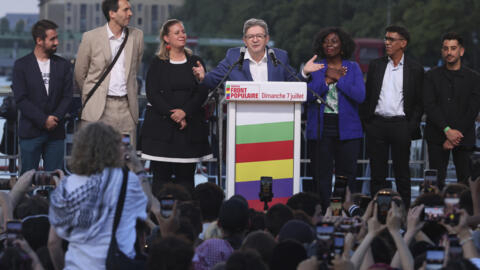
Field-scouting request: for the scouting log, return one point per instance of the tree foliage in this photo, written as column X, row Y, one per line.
column 293, row 24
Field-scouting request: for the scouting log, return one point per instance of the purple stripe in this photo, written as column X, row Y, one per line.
column 249, row 190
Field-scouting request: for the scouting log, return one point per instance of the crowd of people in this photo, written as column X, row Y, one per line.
column 72, row 227
column 107, row 214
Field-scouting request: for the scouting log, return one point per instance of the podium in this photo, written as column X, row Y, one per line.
column 263, row 138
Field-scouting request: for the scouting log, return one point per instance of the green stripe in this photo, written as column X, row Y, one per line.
column 270, row 132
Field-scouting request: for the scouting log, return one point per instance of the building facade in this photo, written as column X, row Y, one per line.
column 75, row 17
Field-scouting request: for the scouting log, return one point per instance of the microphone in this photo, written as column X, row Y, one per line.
column 271, row 52
column 241, row 57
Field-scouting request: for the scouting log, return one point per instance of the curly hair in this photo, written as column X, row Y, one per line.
column 348, row 45
column 95, row 147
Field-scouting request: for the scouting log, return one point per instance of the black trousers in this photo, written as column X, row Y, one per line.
column 163, row 171
column 438, row 159
column 385, row 135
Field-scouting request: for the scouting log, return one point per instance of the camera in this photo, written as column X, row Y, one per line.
column 166, row 206
column 384, row 200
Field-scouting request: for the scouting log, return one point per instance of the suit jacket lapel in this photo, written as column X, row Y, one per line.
column 53, row 69
column 246, row 70
column 270, row 68
column 38, row 73
column 380, row 74
column 105, row 41
column 128, row 54
column 406, row 78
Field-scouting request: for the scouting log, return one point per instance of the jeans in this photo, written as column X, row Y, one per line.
column 51, row 151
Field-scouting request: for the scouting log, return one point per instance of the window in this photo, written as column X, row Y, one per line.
column 69, row 20
column 139, row 7
column 97, row 7
column 83, row 17
column 139, row 21
column 154, row 18
column 69, row 6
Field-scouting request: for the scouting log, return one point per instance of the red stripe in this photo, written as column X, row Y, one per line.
column 251, row 152
column 258, row 205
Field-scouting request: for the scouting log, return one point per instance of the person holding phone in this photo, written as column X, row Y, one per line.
column 81, row 205
column 175, row 133
column 336, row 131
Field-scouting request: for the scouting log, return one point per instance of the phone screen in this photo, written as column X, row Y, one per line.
column 435, row 258
column 430, row 179
column 266, row 192
column 126, row 139
column 384, row 202
column 336, row 206
column 166, row 206
column 324, row 230
column 434, row 213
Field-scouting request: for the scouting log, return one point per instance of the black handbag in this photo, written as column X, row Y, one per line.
column 116, row 259
column 104, row 75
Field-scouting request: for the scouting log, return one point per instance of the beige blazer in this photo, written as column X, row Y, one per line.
column 93, row 57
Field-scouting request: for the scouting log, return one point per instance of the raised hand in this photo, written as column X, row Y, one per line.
column 311, row 66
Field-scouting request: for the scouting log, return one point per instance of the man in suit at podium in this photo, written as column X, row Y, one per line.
column 255, row 63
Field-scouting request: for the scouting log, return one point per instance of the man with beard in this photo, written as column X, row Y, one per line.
column 392, row 111
column 42, row 86
column 115, row 101
column 451, row 100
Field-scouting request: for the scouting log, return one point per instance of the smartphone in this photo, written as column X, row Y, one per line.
column 455, row 250
column 325, row 230
column 435, row 257
column 126, row 139
column 430, row 179
column 475, row 164
column 384, row 201
column 14, row 231
column 340, row 186
column 433, row 213
column 336, row 206
column 166, row 206
column 338, row 242
column 44, row 178
column 266, row 189
column 346, row 225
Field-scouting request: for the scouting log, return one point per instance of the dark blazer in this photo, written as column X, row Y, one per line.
column 158, row 124
column 451, row 101
column 412, row 92
column 32, row 99
column 277, row 73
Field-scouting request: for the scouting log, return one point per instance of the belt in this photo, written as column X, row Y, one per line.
column 116, row 97
column 390, row 118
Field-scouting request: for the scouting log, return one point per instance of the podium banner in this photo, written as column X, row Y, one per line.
column 262, row 130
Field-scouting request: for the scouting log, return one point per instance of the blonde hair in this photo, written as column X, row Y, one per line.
column 95, row 147
column 162, row 52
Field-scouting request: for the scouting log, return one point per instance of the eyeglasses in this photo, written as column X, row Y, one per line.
column 390, row 39
column 258, row 36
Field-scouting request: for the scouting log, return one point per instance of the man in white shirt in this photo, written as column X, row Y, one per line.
column 42, row 86
column 392, row 112
column 115, row 102
column 256, row 63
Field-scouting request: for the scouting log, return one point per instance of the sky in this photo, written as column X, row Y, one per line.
column 18, row 6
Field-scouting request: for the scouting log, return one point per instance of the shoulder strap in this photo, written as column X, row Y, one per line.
column 121, row 201
column 109, row 68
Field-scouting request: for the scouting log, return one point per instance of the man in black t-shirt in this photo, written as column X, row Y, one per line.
column 451, row 99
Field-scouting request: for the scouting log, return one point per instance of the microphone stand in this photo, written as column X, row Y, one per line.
column 319, row 99
column 215, row 94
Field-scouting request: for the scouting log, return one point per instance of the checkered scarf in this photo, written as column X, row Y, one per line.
column 84, row 209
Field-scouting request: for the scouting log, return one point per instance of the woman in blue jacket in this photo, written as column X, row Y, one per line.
column 337, row 130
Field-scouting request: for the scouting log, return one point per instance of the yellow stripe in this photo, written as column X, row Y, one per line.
column 252, row 171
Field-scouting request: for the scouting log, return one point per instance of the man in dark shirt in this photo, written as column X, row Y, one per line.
column 451, row 99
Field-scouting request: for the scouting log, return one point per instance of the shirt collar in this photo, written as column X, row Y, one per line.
column 390, row 61
column 249, row 57
column 111, row 36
